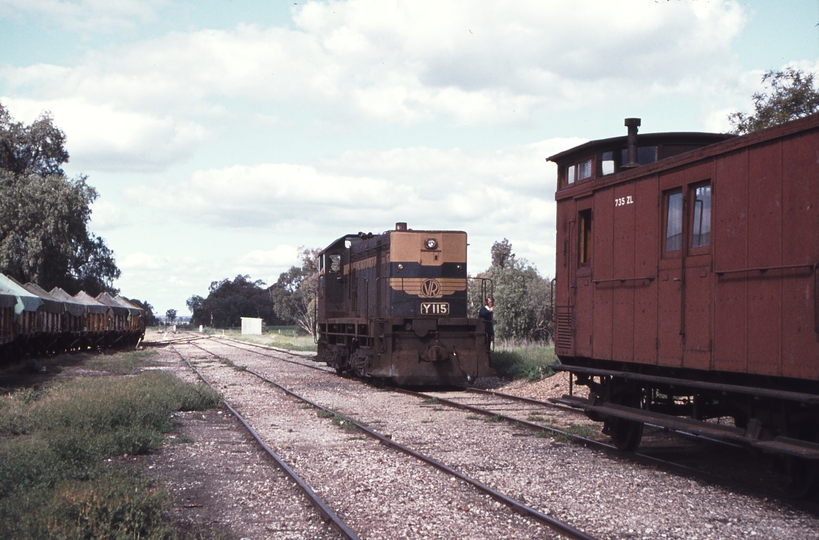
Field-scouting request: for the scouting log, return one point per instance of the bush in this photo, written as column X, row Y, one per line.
column 54, row 482
column 116, row 505
column 523, row 361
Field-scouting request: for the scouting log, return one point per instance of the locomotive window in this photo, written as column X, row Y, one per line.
column 584, row 243
column 335, row 263
column 570, row 174
column 673, row 222
column 701, row 221
column 607, row 163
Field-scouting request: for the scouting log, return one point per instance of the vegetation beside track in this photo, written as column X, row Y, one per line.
column 58, row 475
column 523, row 360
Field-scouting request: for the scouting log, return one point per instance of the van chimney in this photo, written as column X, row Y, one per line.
column 632, row 124
column 401, row 226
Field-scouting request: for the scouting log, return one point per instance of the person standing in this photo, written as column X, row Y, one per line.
column 487, row 313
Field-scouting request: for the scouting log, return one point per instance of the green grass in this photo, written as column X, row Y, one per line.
column 55, row 481
column 283, row 337
column 523, row 361
column 587, row 432
column 344, row 424
column 128, row 362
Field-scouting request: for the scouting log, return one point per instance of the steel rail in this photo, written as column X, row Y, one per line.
column 573, row 410
column 227, row 340
column 327, row 513
column 577, row 439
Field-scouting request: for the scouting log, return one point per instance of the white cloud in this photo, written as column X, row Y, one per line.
column 280, row 256
column 389, row 60
column 505, row 193
column 97, row 15
column 425, row 184
column 143, row 261
column 102, row 137
column 267, row 264
column 106, row 216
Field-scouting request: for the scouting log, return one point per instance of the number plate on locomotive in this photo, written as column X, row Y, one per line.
column 434, row 308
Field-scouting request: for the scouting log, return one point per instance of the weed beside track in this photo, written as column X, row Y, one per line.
column 58, row 475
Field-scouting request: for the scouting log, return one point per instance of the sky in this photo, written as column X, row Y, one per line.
column 223, row 135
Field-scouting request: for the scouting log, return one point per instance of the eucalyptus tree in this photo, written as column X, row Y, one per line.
column 44, row 215
column 789, row 94
column 294, row 294
column 522, row 296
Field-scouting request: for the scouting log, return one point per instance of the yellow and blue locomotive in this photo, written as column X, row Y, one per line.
column 393, row 307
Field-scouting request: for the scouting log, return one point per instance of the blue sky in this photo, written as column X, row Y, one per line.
column 222, row 135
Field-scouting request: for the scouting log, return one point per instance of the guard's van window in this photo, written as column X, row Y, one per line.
column 673, row 221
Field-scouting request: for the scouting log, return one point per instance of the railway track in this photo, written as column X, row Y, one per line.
column 327, row 513
column 544, row 417
column 690, row 455
column 551, row 474
column 519, row 515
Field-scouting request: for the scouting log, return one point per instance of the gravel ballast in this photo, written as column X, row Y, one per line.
column 601, row 495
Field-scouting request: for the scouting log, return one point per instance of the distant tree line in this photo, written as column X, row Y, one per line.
column 230, row 300
column 522, row 297
column 44, row 214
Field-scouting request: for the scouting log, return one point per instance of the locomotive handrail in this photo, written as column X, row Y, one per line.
column 650, row 278
column 763, row 269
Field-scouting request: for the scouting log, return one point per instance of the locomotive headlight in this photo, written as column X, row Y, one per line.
column 431, row 243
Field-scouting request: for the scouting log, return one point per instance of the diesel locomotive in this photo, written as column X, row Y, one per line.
column 686, row 287
column 393, row 307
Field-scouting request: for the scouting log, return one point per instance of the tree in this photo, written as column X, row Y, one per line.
column 44, row 215
column 170, row 316
column 294, row 294
column 501, row 253
column 789, row 94
column 522, row 296
column 150, row 318
column 228, row 301
column 196, row 306
column 38, row 148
